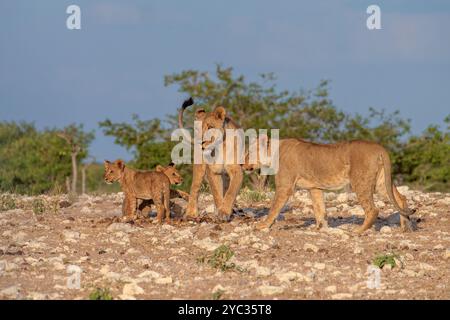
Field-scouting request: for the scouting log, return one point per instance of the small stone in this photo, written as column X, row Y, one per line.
column 10, row 292
column 385, row 229
column 341, row 296
column 319, row 266
column 131, row 289
column 85, row 210
column 331, row 289
column 206, row 244
column 310, row 247
column 357, row 211
column 447, row 254
column 342, row 197
column 270, row 290
column 262, row 271
column 71, row 236
column 288, row 276
column 122, row 227
column 165, row 280
column 426, row 266
column 358, row 250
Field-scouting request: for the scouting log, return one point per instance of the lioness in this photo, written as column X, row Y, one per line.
column 219, row 120
column 136, row 185
column 363, row 165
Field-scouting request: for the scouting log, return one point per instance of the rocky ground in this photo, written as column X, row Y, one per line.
column 48, row 243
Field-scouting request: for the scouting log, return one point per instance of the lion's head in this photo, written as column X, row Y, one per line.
column 211, row 120
column 113, row 170
column 172, row 173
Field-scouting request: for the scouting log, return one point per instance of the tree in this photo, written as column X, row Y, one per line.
column 77, row 141
column 32, row 161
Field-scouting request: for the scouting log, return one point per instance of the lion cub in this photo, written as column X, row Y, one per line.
column 145, row 185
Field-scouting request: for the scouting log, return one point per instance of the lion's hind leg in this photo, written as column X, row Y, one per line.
column 405, row 222
column 319, row 208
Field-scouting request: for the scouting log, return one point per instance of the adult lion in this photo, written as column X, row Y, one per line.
column 363, row 165
column 224, row 203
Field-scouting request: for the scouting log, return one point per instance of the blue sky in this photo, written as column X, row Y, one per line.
column 114, row 66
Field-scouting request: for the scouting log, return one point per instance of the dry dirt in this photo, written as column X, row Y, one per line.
column 41, row 253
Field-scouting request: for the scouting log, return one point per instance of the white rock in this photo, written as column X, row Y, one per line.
column 288, row 276
column 71, row 236
column 331, row 289
column 447, row 254
column 357, row 211
column 385, row 229
column 340, row 296
column 319, row 266
column 206, row 244
column 210, row 208
column 426, row 266
column 342, row 197
column 270, row 290
column 165, row 280
column 10, row 292
column 19, row 237
column 262, row 271
column 85, row 210
column 122, row 227
column 131, row 289
column 358, row 250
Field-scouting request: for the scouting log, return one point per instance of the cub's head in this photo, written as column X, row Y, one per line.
column 113, row 170
column 253, row 162
column 171, row 172
column 211, row 120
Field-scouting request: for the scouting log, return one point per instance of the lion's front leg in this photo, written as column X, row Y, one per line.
column 216, row 184
column 197, row 179
column 129, row 207
column 236, row 177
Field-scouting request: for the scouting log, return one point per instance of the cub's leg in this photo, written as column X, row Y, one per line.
column 197, row 178
column 159, row 208
column 236, row 177
column 284, row 189
column 319, row 208
column 129, row 208
column 167, row 203
column 216, row 183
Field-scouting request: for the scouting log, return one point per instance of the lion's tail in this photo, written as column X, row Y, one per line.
column 389, row 185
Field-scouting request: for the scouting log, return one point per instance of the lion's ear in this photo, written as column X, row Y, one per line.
column 200, row 114
column 106, row 163
column 171, row 164
column 120, row 164
column 159, row 168
column 220, row 113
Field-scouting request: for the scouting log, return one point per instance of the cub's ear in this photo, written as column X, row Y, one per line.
column 106, row 163
column 200, row 114
column 159, row 168
column 171, row 164
column 220, row 113
column 120, row 164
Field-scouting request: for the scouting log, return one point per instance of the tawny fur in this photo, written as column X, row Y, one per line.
column 214, row 172
column 363, row 165
column 145, row 185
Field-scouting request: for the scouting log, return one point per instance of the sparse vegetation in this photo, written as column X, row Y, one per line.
column 38, row 206
column 100, row 294
column 385, row 259
column 217, row 294
column 220, row 259
column 7, row 202
column 249, row 195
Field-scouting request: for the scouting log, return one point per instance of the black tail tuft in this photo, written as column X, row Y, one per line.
column 187, row 103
